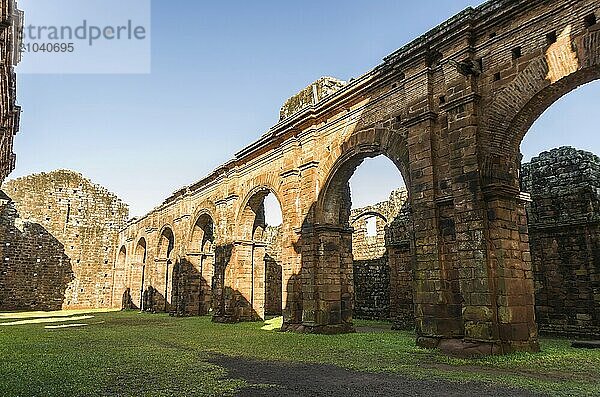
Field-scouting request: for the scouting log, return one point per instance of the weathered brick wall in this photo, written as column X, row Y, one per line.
column 372, row 264
column 35, row 270
column 564, row 235
column 11, row 25
column 84, row 218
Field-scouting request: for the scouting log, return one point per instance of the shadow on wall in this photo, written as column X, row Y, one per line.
column 230, row 305
column 192, row 294
column 35, row 270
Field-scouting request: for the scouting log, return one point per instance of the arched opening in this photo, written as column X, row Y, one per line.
column 138, row 272
column 560, row 173
column 193, row 276
column 163, row 266
column 332, row 237
column 381, row 259
column 119, row 281
column 259, row 253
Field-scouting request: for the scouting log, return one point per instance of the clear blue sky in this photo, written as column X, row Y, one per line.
column 220, row 72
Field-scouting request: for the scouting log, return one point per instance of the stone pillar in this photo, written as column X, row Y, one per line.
column 435, row 316
column 327, row 279
column 511, row 290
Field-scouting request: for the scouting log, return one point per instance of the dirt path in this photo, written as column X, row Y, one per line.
column 325, row 380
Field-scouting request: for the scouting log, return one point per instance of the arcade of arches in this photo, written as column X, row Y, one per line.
column 449, row 110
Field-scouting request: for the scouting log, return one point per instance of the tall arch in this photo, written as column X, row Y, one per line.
column 194, row 274
column 164, row 264
column 120, row 288
column 564, row 66
column 253, row 280
column 138, row 273
column 327, row 261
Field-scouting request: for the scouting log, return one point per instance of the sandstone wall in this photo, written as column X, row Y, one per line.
column 35, row 270
column 564, row 234
column 70, row 211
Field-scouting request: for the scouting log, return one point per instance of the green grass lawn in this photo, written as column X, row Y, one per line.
column 128, row 353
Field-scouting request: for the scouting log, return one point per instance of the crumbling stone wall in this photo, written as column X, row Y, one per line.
column 35, row 270
column 85, row 218
column 11, row 26
column 564, row 235
column 373, row 268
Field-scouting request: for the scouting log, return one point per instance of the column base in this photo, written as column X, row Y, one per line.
column 319, row 329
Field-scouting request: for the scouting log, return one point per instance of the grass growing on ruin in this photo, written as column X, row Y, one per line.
column 128, row 353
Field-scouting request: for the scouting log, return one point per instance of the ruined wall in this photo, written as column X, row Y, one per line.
column 82, row 217
column 564, row 235
column 11, row 25
column 35, row 270
column 372, row 266
column 311, row 95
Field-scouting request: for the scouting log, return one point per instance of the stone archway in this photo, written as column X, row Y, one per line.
column 327, row 263
column 567, row 64
column 194, row 276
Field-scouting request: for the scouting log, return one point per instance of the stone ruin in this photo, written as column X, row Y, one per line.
column 60, row 235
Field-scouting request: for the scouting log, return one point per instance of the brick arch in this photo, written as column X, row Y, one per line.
column 341, row 164
column 162, row 235
column 141, row 243
column 208, row 208
column 252, row 199
column 535, row 89
column 370, row 142
column 366, row 214
column 122, row 256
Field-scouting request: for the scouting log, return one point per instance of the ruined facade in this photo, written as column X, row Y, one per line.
column 11, row 26
column 58, row 242
column 450, row 110
column 564, row 235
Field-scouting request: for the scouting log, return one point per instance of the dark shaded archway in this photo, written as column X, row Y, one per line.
column 194, row 275
column 138, row 272
column 164, row 264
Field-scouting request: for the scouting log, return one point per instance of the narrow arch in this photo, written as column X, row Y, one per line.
column 138, row 272
column 122, row 257
column 140, row 251
column 166, row 243
column 258, row 251
column 194, row 275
